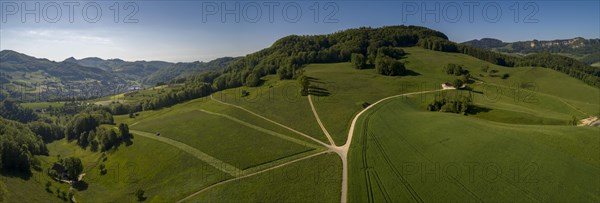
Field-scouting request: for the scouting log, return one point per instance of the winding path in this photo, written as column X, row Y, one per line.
column 342, row 151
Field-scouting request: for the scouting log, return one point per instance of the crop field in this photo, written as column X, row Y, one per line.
column 316, row 179
column 398, row 156
column 232, row 142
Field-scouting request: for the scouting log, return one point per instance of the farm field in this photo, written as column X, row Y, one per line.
column 316, row 179
column 473, row 160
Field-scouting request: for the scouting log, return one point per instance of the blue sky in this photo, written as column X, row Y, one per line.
column 182, row 31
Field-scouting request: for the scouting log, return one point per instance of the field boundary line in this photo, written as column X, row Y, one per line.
column 251, row 174
column 312, row 107
column 255, row 127
column 279, row 124
column 218, row 164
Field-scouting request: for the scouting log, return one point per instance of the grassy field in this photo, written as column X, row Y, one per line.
column 277, row 100
column 528, row 96
column 403, row 153
column 40, row 105
column 316, row 179
column 222, row 138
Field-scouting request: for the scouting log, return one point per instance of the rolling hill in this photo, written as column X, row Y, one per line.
column 246, row 132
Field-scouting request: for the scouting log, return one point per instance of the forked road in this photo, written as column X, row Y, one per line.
column 342, row 151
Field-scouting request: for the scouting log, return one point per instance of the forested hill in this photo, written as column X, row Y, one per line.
column 288, row 55
column 14, row 62
column 131, row 70
column 180, row 71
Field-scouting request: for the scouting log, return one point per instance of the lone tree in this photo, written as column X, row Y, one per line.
column 359, row 61
column 304, row 83
column 124, row 130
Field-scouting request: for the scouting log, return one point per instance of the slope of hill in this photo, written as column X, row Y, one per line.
column 184, row 70
column 28, row 78
column 130, row 70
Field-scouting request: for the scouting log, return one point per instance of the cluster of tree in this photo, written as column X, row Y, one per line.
column 13, row 111
column 567, row 65
column 387, row 63
column 452, row 104
column 18, row 145
column 455, row 69
column 358, row 60
column 86, row 130
column 72, row 168
column 438, row 44
column 388, row 66
column 49, row 131
column 304, row 85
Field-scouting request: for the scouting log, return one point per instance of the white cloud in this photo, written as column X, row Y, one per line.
column 64, row 36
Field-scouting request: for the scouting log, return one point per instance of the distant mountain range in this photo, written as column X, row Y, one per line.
column 585, row 50
column 151, row 72
column 21, row 74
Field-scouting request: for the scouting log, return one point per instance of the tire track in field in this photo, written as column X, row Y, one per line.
column 395, row 170
column 343, row 150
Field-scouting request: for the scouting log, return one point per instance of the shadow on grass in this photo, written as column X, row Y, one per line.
column 318, row 91
column 478, row 109
column 80, row 185
column 408, row 72
column 16, row 174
